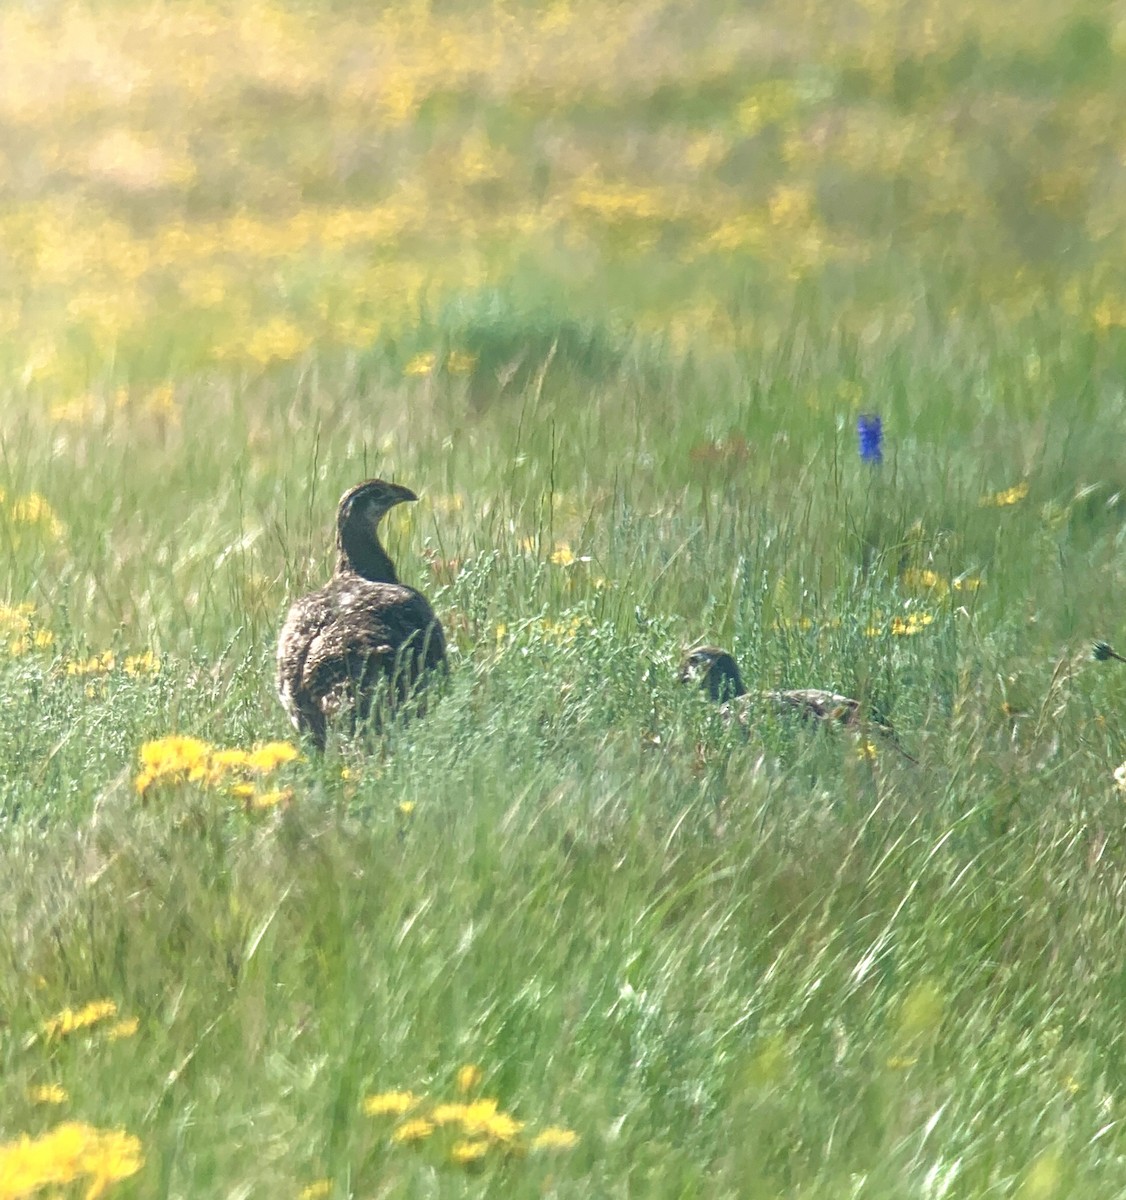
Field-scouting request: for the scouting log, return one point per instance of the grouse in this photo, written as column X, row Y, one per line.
column 717, row 673
column 364, row 644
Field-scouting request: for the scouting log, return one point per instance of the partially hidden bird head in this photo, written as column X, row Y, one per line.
column 714, row 670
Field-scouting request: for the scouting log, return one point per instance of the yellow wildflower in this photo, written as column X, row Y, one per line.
column 48, row 1093
column 421, row 364
column 1013, row 495
column 260, row 801
column 910, row 624
column 447, row 1114
column 33, row 509
column 69, row 1152
column 97, row 664
column 967, row 583
column 482, row 1117
column 562, row 555
column 866, row 751
column 406, row 808
column 919, row 580
column 554, row 1137
column 389, row 1104
column 123, row 1029
column 142, row 664
column 413, row 1131
column 69, row 1019
column 271, row 755
column 466, row 1152
column 315, row 1190
column 469, row 1077
column 175, row 757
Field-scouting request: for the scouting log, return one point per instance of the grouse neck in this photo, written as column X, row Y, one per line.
column 363, row 554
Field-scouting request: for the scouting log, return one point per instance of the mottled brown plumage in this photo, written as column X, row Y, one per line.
column 717, row 673
column 363, row 645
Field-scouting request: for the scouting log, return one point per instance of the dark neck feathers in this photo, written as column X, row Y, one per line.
column 723, row 679
column 360, row 552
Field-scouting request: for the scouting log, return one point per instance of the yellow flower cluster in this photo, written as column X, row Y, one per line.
column 94, row 1013
column 906, row 626
column 476, row 1125
column 31, row 514
column 106, row 662
column 1006, row 498
column 69, row 1153
column 182, row 759
column 20, row 630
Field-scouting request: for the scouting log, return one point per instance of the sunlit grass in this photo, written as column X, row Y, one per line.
column 609, row 286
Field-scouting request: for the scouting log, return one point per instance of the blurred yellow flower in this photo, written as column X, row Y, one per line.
column 562, row 555
column 554, row 1137
column 145, row 663
column 866, row 751
column 918, row 580
column 66, row 1154
column 123, row 1029
column 172, row 758
column 469, row 1077
column 316, row 1190
column 71, row 1019
column 406, row 808
column 413, row 1131
column 98, row 664
column 271, row 755
column 394, row 1104
column 465, row 1152
column 460, row 363
column 1009, row 496
column 48, row 1093
column 421, row 364
column 910, row 624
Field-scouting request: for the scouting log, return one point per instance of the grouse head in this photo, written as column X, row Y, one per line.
column 715, row 671
column 357, row 528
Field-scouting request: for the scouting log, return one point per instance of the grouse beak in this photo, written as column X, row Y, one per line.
column 399, row 494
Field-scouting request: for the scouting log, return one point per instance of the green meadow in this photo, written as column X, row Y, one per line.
column 608, row 285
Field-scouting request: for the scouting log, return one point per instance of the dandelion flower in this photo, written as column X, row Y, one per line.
column 469, row 1077
column 48, row 1093
column 911, row 624
column 555, row 1137
column 123, row 1029
column 406, row 808
column 260, row 801
column 465, row 1152
column 421, row 364
column 1004, row 499
column 483, row 1117
column 142, row 664
column 413, row 1131
column 448, row 1114
column 271, row 755
column 71, row 1019
column 389, row 1104
column 919, row 580
column 68, row 1153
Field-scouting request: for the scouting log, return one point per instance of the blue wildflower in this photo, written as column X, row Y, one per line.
column 871, row 434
